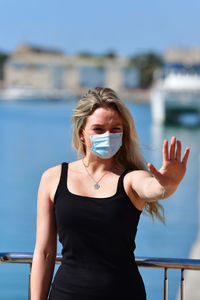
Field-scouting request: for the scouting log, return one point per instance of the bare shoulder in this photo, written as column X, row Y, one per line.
column 137, row 175
column 50, row 179
column 50, row 173
column 135, row 178
column 132, row 180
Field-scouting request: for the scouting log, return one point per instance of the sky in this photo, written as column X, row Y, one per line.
column 127, row 27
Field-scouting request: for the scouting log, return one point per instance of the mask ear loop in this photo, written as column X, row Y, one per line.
column 82, row 140
column 82, row 146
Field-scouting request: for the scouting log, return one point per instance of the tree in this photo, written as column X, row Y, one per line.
column 110, row 54
column 85, row 54
column 146, row 63
column 3, row 58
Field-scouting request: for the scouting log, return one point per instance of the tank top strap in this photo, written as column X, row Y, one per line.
column 63, row 176
column 120, row 187
column 63, row 180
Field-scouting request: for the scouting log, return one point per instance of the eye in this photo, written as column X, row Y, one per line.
column 97, row 129
column 116, row 129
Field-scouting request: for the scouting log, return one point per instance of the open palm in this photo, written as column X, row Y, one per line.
column 173, row 169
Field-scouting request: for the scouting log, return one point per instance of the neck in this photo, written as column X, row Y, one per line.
column 95, row 163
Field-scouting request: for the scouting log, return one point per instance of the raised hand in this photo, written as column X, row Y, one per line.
column 173, row 168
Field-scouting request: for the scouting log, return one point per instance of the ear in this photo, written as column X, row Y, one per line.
column 81, row 135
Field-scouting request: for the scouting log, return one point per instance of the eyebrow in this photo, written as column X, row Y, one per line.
column 117, row 124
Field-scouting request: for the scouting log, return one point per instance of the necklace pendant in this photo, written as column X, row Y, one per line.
column 96, row 186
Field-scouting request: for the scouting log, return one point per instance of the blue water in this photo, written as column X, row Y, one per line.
column 35, row 136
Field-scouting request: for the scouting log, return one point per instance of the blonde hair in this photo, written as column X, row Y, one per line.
column 129, row 154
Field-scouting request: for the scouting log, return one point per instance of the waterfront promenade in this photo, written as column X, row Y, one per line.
column 192, row 278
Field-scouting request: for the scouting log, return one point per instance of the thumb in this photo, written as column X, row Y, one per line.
column 154, row 171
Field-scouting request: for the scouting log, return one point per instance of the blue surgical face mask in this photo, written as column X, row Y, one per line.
column 106, row 145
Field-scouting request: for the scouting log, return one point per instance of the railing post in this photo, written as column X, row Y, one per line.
column 182, row 284
column 166, row 285
column 29, row 281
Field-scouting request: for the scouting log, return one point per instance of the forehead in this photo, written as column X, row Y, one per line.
column 104, row 115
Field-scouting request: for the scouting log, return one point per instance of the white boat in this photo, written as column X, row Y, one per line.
column 21, row 93
column 176, row 98
column 31, row 93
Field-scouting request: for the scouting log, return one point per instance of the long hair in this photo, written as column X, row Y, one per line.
column 129, row 154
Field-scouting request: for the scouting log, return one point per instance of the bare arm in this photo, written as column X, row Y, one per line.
column 46, row 242
column 165, row 181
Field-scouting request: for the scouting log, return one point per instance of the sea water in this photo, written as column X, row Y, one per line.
column 36, row 135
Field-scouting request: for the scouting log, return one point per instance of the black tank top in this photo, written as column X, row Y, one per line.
column 98, row 239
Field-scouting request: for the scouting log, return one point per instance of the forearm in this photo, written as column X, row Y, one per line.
column 41, row 275
column 154, row 191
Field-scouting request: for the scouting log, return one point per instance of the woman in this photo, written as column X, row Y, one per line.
column 95, row 203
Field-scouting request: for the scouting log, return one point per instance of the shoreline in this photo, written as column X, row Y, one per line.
column 29, row 93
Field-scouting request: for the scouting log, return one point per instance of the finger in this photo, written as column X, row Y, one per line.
column 178, row 150
column 172, row 148
column 185, row 157
column 165, row 150
column 154, row 171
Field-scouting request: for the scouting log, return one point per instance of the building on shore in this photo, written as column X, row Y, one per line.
column 51, row 70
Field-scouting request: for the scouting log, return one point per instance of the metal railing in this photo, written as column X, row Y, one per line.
column 146, row 262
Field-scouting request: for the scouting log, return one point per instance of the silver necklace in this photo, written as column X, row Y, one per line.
column 96, row 185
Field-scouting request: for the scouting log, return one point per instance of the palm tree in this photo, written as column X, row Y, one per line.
column 146, row 63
